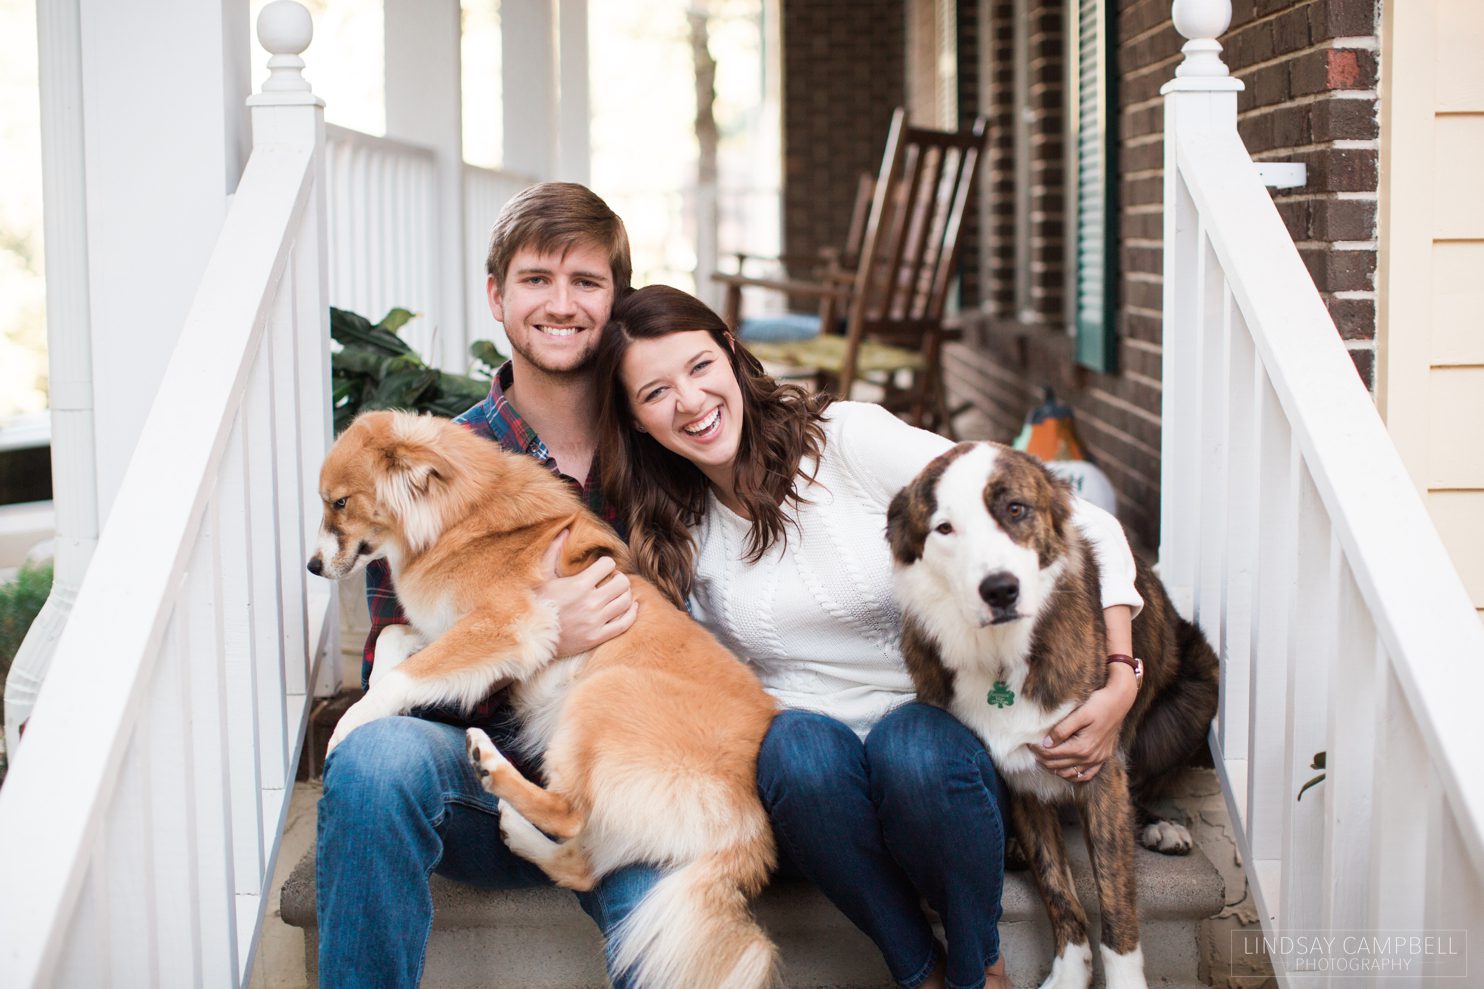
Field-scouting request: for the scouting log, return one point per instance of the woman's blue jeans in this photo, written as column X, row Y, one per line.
column 400, row 803
column 914, row 812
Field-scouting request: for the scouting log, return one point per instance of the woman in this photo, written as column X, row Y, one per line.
column 765, row 508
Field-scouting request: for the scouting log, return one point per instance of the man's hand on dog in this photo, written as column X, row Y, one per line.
column 593, row 605
column 1085, row 739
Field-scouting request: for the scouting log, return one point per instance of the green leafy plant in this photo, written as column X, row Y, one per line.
column 1318, row 763
column 20, row 602
column 376, row 369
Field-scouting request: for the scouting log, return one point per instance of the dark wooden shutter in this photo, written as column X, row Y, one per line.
column 1097, row 204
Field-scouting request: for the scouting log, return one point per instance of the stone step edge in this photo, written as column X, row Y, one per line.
column 1167, row 887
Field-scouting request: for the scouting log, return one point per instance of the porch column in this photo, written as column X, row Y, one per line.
column 164, row 141
column 528, row 74
column 424, row 105
column 143, row 136
column 574, row 154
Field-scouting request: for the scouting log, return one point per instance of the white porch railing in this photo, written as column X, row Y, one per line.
column 384, row 220
column 1293, row 533
column 381, row 201
column 139, row 824
column 486, row 191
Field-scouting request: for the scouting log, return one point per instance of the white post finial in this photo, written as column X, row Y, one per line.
column 285, row 29
column 1201, row 21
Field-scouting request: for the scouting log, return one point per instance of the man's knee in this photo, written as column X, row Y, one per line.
column 808, row 755
column 386, row 762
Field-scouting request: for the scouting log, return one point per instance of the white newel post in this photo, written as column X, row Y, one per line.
column 424, row 105
column 287, row 113
column 1201, row 97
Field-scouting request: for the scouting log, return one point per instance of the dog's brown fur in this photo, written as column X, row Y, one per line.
column 650, row 740
column 1065, row 665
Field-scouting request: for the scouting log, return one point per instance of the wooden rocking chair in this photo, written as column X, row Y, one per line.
column 897, row 293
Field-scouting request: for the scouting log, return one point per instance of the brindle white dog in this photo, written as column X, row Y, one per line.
column 1004, row 628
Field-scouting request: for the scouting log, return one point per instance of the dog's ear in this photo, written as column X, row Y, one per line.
column 907, row 518
column 1061, row 501
column 911, row 511
column 413, row 486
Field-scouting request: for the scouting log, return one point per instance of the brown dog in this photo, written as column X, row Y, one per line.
column 1004, row 628
column 650, row 740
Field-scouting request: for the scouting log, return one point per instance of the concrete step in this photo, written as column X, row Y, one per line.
column 541, row 939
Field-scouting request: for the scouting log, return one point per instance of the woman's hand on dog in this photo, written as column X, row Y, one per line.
column 593, row 605
column 1085, row 739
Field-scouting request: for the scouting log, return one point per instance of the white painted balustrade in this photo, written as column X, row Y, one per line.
column 384, row 216
column 381, row 200
column 486, row 191
column 139, row 824
column 1291, row 531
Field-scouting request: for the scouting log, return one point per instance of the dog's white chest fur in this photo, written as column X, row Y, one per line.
column 1008, row 729
column 539, row 701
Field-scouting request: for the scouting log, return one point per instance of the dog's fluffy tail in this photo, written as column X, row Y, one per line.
column 694, row 929
column 1175, row 727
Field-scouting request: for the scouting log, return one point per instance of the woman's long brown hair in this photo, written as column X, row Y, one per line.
column 660, row 494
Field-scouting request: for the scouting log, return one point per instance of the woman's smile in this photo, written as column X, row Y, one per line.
column 706, row 427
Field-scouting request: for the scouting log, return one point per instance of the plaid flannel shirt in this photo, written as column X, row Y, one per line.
column 497, row 420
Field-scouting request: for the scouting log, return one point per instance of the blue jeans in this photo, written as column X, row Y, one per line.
column 914, row 812
column 401, row 802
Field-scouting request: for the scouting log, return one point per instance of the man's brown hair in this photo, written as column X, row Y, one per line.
column 553, row 217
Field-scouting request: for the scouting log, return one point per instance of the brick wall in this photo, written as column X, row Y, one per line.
column 1312, row 72
column 922, row 96
column 971, row 239
column 1045, row 98
column 997, row 179
column 843, row 74
column 1310, row 69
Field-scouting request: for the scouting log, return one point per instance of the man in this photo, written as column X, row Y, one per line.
column 401, row 800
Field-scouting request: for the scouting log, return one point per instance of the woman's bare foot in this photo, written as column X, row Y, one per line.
column 995, row 977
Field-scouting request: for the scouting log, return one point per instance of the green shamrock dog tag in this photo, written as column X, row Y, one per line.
column 1001, row 695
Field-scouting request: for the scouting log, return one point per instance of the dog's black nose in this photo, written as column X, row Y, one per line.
column 316, row 566
column 1000, row 590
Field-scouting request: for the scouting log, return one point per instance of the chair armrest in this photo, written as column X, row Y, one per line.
column 791, row 287
column 787, row 260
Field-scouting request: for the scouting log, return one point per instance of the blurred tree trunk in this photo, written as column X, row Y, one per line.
column 707, row 219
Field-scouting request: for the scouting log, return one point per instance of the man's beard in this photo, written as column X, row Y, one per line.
column 584, row 364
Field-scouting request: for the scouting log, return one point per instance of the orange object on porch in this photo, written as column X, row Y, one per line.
column 1049, row 432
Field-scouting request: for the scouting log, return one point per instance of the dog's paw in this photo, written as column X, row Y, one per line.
column 357, row 714
column 1072, row 969
column 1124, row 971
column 484, row 755
column 1166, row 837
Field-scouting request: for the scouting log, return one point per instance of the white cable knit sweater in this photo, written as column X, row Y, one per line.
column 816, row 617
